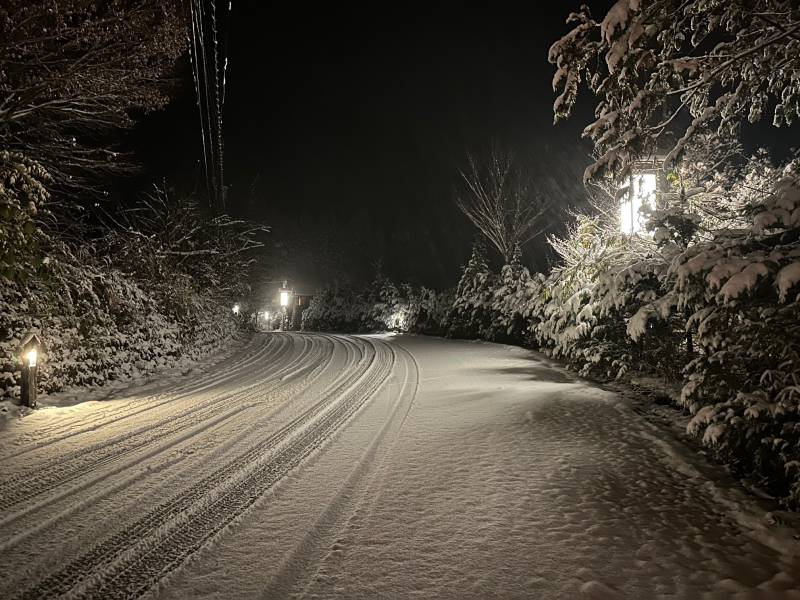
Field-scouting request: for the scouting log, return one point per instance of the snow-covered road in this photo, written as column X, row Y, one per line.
column 322, row 466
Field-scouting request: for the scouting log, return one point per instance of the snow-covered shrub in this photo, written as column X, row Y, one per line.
column 22, row 196
column 512, row 305
column 116, row 306
column 168, row 235
column 337, row 309
column 743, row 291
column 97, row 324
column 427, row 310
column 471, row 314
column 380, row 306
column 582, row 312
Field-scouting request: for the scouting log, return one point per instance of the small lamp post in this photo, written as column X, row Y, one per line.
column 29, row 355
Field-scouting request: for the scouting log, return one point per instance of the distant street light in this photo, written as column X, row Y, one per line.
column 29, row 354
column 236, row 309
column 284, row 295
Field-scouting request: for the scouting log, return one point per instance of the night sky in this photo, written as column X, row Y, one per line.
column 344, row 128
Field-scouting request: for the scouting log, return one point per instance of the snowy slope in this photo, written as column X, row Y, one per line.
column 323, row 466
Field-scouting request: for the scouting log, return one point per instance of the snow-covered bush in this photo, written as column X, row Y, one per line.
column 588, row 300
column 106, row 309
column 22, row 196
column 742, row 289
column 427, row 310
column 336, row 309
column 512, row 305
column 471, row 314
column 97, row 324
column 380, row 306
column 720, row 291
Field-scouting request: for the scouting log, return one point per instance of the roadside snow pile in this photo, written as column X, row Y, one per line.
column 9, row 410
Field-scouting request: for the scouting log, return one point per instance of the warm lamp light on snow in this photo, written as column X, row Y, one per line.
column 284, row 297
column 31, row 356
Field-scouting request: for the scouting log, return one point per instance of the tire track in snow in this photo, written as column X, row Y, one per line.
column 252, row 423
column 26, row 485
column 314, row 550
column 131, row 561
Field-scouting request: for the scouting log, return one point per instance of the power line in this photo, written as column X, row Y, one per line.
column 208, row 86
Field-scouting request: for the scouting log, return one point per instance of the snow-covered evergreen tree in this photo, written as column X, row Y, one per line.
column 470, row 315
column 664, row 71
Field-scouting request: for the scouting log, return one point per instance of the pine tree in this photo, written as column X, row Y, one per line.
column 470, row 314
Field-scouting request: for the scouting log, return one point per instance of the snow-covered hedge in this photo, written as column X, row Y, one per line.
column 97, row 325
column 381, row 306
column 99, row 308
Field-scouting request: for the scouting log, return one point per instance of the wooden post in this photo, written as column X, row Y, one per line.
column 29, row 386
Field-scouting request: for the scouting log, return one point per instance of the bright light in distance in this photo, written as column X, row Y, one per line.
column 266, row 315
column 284, row 298
column 31, row 356
column 236, row 309
column 640, row 194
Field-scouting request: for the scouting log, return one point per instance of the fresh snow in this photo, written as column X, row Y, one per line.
column 320, row 466
column 787, row 278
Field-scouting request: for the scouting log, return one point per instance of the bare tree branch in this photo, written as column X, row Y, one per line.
column 501, row 201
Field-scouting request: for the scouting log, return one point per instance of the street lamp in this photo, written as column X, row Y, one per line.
column 236, row 309
column 29, row 356
column 641, row 194
column 284, row 295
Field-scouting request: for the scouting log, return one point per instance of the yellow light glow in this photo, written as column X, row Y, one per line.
column 284, row 298
column 31, row 356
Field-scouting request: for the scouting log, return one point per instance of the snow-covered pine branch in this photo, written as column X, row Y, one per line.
column 654, row 64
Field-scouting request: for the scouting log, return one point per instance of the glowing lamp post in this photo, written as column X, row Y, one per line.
column 284, row 297
column 29, row 356
column 642, row 189
column 236, row 309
